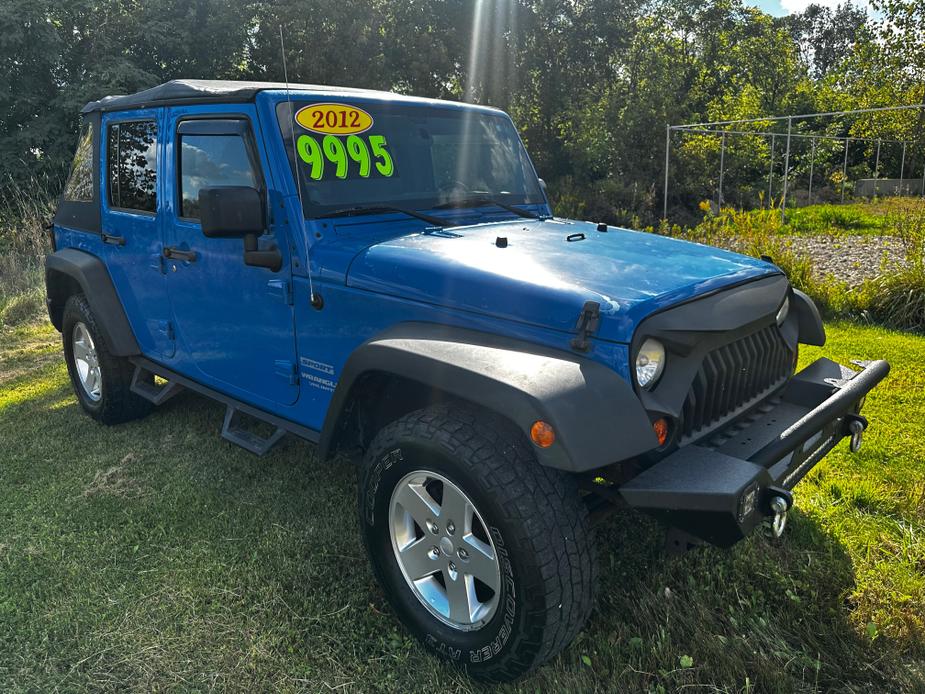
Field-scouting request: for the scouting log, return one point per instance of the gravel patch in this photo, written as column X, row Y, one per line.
column 851, row 259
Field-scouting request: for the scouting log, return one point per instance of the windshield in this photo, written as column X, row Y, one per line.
column 418, row 157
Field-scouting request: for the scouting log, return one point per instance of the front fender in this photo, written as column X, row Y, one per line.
column 812, row 332
column 597, row 417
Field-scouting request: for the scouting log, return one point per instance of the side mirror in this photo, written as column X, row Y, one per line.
column 236, row 212
column 231, row 212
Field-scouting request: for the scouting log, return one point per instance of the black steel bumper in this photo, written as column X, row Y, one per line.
column 719, row 489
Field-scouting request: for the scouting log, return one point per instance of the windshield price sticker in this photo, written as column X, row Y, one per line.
column 364, row 155
column 341, row 152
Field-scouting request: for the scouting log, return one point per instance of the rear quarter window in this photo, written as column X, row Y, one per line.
column 79, row 186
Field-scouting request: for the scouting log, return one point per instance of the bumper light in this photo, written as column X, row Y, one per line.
column 660, row 427
column 542, row 434
column 748, row 502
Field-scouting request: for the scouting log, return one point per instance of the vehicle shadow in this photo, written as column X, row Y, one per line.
column 765, row 615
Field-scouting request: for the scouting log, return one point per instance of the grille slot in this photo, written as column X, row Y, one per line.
column 734, row 377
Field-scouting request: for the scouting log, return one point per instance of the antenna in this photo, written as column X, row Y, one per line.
column 315, row 299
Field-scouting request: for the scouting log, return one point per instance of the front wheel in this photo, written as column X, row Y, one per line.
column 485, row 555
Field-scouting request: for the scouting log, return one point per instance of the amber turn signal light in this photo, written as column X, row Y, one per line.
column 660, row 427
column 542, row 434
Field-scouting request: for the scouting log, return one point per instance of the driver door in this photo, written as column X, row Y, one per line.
column 234, row 323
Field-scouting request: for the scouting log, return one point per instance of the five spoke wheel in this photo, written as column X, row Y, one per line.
column 87, row 363
column 444, row 550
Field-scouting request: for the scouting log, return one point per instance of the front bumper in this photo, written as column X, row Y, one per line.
column 718, row 490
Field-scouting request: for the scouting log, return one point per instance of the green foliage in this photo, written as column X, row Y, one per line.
column 591, row 84
column 23, row 244
column 836, row 219
column 895, row 299
column 898, row 298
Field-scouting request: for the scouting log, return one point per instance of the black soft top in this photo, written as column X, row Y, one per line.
column 205, row 91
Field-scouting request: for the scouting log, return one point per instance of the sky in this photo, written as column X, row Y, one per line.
column 781, row 7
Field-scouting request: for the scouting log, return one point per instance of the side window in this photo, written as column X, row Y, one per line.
column 208, row 161
column 132, row 165
column 79, row 186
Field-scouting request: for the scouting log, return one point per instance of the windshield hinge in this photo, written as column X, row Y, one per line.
column 588, row 321
column 281, row 289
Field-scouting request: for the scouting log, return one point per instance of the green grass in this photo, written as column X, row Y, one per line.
column 859, row 219
column 879, row 217
column 156, row 556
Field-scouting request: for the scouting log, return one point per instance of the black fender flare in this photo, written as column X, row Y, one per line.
column 597, row 417
column 812, row 331
column 69, row 269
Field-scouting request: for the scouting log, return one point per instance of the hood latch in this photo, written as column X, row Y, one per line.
column 588, row 322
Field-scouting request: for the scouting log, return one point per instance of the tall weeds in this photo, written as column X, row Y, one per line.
column 898, row 298
column 24, row 212
column 895, row 299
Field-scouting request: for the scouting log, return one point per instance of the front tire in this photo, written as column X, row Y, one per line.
column 485, row 556
column 101, row 381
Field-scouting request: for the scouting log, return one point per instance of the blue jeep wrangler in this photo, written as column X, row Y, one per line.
column 383, row 276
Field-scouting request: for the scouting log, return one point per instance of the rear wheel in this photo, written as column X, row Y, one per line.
column 101, row 381
column 485, row 555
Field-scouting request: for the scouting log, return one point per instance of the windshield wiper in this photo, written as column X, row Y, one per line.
column 376, row 209
column 482, row 201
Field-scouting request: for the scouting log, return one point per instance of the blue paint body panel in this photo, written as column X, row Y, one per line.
column 542, row 278
column 252, row 333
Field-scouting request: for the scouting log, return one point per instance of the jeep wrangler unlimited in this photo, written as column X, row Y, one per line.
column 383, row 276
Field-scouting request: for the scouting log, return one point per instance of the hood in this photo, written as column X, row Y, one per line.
column 543, row 278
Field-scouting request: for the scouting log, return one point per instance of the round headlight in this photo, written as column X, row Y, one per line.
column 650, row 361
column 784, row 310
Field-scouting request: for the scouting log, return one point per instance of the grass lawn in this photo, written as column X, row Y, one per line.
column 875, row 218
column 156, row 556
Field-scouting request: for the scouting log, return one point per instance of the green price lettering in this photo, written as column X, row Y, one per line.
column 310, row 153
column 378, row 143
column 359, row 152
column 336, row 154
column 334, row 150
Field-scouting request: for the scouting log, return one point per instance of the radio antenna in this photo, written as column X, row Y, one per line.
column 315, row 299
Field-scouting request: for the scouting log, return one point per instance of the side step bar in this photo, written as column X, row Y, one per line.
column 248, row 440
column 143, row 385
column 232, row 430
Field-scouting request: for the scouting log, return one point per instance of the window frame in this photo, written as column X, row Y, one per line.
column 157, row 167
column 245, row 131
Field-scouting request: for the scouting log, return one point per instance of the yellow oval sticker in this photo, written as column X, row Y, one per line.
column 334, row 119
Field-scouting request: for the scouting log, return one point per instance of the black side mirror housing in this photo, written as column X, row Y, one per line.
column 231, row 212
column 237, row 212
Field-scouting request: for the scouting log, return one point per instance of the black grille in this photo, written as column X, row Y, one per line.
column 733, row 377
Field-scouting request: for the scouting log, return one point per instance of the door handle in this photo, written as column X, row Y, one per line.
column 113, row 240
column 178, row 254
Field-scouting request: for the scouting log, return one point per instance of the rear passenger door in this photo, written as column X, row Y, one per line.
column 132, row 213
column 234, row 322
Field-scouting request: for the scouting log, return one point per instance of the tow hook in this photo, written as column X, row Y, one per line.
column 779, row 507
column 856, row 426
column 780, row 503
